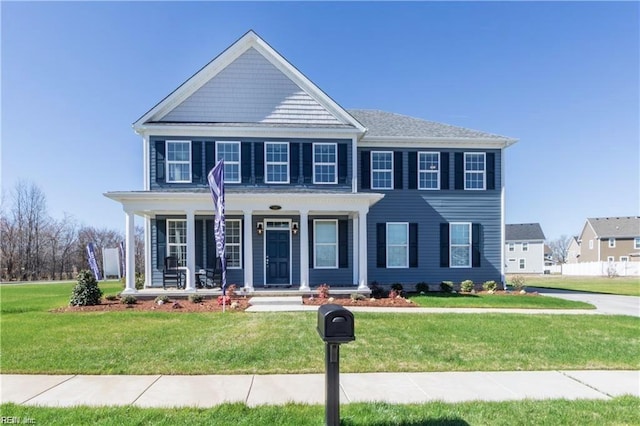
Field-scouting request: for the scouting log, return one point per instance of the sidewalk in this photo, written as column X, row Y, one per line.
column 398, row 388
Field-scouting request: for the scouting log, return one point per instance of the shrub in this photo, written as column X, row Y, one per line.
column 517, row 282
column 446, row 286
column 196, row 298
column 358, row 296
column 377, row 292
column 398, row 289
column 129, row 299
column 394, row 294
column 490, row 286
column 139, row 281
column 224, row 300
column 111, row 297
column 422, row 287
column 231, row 290
column 323, row 291
column 467, row 286
column 86, row 292
column 163, row 298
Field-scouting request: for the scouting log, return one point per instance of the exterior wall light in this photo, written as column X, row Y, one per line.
column 259, row 228
column 294, row 228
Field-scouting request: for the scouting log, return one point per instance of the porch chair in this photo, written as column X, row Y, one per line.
column 171, row 274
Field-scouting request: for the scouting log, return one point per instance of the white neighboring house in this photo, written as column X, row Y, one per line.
column 524, row 249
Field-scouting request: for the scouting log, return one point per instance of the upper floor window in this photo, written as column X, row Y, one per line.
column 636, row 243
column 178, row 161
column 397, row 245
column 381, row 170
column 177, row 240
column 512, row 247
column 612, row 242
column 276, row 156
column 474, row 170
column 428, row 170
column 590, row 244
column 460, row 245
column 324, row 163
column 325, row 234
column 525, row 246
column 233, row 241
column 230, row 153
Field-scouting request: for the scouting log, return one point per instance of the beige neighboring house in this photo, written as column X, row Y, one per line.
column 610, row 239
column 573, row 251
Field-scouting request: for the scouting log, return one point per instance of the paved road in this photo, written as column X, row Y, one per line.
column 610, row 304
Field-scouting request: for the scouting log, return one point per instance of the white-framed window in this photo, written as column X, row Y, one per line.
column 397, row 245
column 636, row 243
column 624, row 258
column 612, row 242
column 325, row 242
column 233, row 243
column 460, row 245
column 428, row 170
column 177, row 240
column 381, row 170
column 590, row 244
column 229, row 151
column 610, row 259
column 475, row 170
column 522, row 264
column 325, row 163
column 276, row 159
column 525, row 246
column 512, row 247
column 178, row 161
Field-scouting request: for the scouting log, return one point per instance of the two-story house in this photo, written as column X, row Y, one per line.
column 314, row 193
column 524, row 248
column 610, row 239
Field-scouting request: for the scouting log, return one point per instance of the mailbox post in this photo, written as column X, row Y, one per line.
column 335, row 326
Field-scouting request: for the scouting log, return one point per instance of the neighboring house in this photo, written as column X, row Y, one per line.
column 610, row 239
column 524, row 249
column 314, row 193
column 573, row 251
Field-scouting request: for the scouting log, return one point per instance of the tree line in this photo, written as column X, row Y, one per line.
column 36, row 246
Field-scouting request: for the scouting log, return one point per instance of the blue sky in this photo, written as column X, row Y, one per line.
column 563, row 78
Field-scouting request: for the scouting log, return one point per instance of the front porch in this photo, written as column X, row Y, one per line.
column 152, row 293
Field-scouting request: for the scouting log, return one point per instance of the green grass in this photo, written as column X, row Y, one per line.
column 627, row 286
column 35, row 340
column 463, row 300
column 617, row 411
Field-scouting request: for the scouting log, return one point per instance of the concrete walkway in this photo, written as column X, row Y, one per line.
column 253, row 390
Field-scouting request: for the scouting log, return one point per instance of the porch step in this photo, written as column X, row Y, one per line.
column 277, row 304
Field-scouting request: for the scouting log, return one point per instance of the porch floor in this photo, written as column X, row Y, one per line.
column 153, row 292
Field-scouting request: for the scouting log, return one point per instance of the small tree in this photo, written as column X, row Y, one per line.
column 86, row 292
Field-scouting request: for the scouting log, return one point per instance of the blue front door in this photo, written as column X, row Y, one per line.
column 277, row 257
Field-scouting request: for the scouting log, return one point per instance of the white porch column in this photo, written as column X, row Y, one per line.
column 303, row 227
column 191, row 251
column 148, row 265
column 362, row 249
column 248, row 252
column 356, row 249
column 130, row 253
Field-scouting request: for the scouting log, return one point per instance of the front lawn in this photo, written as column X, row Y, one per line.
column 523, row 301
column 627, row 286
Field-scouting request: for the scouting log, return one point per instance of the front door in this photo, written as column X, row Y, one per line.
column 277, row 257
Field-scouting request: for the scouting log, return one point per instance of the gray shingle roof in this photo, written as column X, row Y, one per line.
column 523, row 232
column 388, row 124
column 606, row 227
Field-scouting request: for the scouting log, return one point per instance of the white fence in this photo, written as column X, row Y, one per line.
column 602, row 269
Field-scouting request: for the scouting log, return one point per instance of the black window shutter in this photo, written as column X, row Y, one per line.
column 209, row 157
column 199, row 249
column 307, row 162
column 413, row 171
column 397, row 170
column 413, row 245
column 259, row 161
column 294, row 162
column 444, row 245
column 491, row 170
column 196, row 162
column 342, row 163
column 444, row 170
column 310, row 243
column 381, row 238
column 475, row 244
column 459, row 170
column 161, row 242
column 245, row 161
column 365, row 170
column 210, row 243
column 343, row 244
column 160, row 162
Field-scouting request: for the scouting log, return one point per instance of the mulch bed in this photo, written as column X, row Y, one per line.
column 175, row 305
column 348, row 301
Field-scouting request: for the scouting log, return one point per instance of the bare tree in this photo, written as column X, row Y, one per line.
column 560, row 248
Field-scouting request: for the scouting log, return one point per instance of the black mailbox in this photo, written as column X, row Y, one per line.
column 335, row 324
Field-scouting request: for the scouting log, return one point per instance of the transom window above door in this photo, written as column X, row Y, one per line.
column 179, row 161
column 276, row 156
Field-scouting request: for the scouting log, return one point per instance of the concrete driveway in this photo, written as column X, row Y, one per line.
column 609, row 304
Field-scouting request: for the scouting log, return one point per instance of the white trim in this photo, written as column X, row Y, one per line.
column 214, row 130
column 470, row 245
column 612, row 242
column 315, row 244
column 406, row 224
column 167, row 162
column 277, row 163
column 239, row 244
column 438, row 172
column 227, row 162
column 475, row 172
column 181, row 261
column 381, row 170
column 434, row 143
column 334, row 164
column 146, row 169
column 636, row 243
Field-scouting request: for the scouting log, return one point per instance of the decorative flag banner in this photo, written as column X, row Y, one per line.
column 93, row 264
column 122, row 264
column 216, row 184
